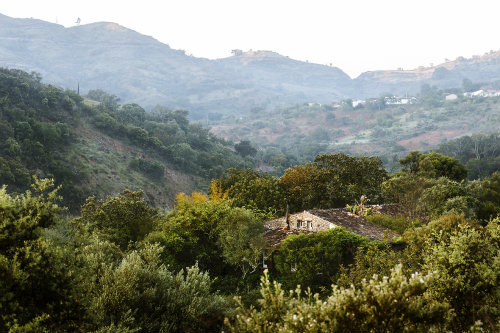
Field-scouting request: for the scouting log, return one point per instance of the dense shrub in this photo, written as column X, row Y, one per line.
column 314, row 260
column 397, row 223
column 121, row 219
column 151, row 169
column 142, row 294
column 383, row 304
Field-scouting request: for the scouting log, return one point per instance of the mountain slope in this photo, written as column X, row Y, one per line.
column 140, row 69
column 102, row 148
column 450, row 74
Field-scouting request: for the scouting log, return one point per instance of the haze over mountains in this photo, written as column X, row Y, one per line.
column 138, row 68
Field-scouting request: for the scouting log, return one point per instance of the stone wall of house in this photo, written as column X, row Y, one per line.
column 303, row 221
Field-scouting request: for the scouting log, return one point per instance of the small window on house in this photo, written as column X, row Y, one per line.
column 299, row 223
column 293, row 267
column 309, row 225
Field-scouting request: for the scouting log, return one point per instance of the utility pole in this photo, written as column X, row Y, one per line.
column 286, row 217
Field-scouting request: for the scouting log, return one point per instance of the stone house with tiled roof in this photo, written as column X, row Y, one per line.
column 316, row 220
column 311, row 221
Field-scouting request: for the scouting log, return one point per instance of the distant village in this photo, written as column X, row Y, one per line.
column 395, row 100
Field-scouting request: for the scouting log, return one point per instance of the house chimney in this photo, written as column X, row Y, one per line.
column 286, row 217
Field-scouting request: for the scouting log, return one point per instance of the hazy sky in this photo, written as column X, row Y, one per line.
column 355, row 35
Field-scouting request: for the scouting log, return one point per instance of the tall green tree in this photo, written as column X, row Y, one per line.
column 259, row 192
column 433, row 165
column 334, row 180
column 244, row 148
column 241, row 240
column 121, row 219
column 221, row 239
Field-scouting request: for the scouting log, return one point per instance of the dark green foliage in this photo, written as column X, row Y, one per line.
column 106, row 272
column 121, row 219
column 314, row 260
column 35, row 284
column 104, row 121
column 480, row 153
column 70, row 277
column 487, row 195
column 333, row 181
column 169, row 136
column 139, row 293
column 131, row 114
column 44, row 130
column 418, row 190
column 152, row 169
column 259, row 192
column 433, row 165
column 225, row 241
column 371, row 260
column 244, row 148
column 445, row 197
column 35, row 121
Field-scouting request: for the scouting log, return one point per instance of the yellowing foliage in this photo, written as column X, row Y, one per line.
column 216, row 191
column 182, row 199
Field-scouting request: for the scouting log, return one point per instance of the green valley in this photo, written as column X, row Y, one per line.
column 144, row 190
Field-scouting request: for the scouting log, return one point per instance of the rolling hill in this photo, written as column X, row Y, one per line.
column 140, row 69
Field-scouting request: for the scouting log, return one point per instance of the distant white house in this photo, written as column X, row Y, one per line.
column 479, row 93
column 482, row 93
column 394, row 100
column 357, row 102
column 451, row 97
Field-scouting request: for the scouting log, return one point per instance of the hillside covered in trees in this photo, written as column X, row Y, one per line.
column 95, row 146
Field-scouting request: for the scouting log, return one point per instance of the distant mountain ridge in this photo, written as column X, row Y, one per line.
column 485, row 68
column 138, row 68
